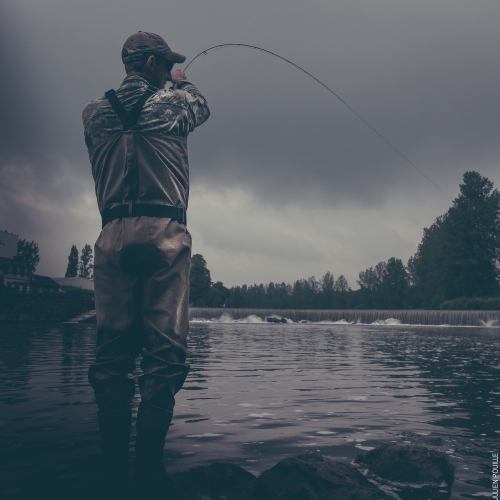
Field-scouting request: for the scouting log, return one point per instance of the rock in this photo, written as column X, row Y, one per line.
column 218, row 481
column 273, row 319
column 313, row 477
column 409, row 464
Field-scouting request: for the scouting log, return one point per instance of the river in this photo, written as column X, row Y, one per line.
column 258, row 392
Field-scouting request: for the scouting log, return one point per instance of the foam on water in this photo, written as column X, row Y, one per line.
column 227, row 318
column 204, row 435
column 490, row 323
column 486, row 319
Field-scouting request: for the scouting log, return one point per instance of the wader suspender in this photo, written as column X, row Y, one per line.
column 129, row 119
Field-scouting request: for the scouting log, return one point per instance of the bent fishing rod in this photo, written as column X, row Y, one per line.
column 253, row 47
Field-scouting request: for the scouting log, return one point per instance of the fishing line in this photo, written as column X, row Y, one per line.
column 244, row 45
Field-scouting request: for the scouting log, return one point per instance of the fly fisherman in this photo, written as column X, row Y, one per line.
column 136, row 139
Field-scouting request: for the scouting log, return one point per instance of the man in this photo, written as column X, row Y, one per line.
column 136, row 139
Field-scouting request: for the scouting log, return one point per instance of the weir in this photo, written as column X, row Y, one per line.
column 409, row 317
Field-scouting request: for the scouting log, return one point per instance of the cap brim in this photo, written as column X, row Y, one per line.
column 176, row 58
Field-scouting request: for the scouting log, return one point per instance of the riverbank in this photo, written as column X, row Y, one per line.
column 16, row 308
column 77, row 305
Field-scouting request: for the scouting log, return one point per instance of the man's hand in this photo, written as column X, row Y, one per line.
column 177, row 76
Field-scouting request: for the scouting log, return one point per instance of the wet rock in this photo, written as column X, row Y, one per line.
column 313, row 477
column 409, row 464
column 273, row 319
column 218, row 481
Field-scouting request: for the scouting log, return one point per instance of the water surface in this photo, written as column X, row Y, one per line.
column 258, row 393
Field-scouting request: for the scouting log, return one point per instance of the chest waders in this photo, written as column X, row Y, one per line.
column 141, row 290
column 131, row 209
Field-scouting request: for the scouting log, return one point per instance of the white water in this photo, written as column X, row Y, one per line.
column 488, row 319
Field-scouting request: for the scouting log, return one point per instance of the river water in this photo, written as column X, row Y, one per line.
column 259, row 392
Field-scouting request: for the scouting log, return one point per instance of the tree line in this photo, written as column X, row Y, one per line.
column 28, row 256
column 80, row 266
column 457, row 261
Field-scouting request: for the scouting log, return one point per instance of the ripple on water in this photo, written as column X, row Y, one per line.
column 257, row 393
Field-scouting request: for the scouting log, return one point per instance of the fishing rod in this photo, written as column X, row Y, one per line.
column 246, row 46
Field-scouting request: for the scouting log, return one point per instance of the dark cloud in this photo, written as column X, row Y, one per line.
column 425, row 74
column 22, row 134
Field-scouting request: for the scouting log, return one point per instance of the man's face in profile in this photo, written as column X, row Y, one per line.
column 163, row 71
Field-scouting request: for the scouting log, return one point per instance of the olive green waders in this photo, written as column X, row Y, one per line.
column 142, row 292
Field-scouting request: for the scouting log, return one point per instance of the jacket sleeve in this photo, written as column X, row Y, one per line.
column 88, row 113
column 197, row 104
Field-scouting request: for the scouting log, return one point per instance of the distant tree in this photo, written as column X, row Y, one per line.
column 199, row 281
column 385, row 285
column 218, row 295
column 370, row 284
column 86, row 267
column 236, row 297
column 326, row 298
column 256, row 296
column 282, row 295
column 459, row 254
column 271, row 295
column 341, row 285
column 372, row 278
column 72, row 269
column 27, row 255
column 395, row 284
column 305, row 293
column 277, row 296
column 341, row 289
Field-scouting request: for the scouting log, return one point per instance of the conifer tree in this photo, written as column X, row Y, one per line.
column 199, row 281
column 72, row 269
column 86, row 265
column 459, row 253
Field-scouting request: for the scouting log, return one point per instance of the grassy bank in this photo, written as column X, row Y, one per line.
column 45, row 307
column 472, row 304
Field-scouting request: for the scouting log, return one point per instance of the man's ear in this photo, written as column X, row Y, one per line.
column 151, row 62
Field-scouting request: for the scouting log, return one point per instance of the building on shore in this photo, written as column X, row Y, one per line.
column 17, row 278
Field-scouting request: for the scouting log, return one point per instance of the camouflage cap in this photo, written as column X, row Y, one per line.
column 143, row 42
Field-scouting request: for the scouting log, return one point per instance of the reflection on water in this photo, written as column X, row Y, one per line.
column 259, row 392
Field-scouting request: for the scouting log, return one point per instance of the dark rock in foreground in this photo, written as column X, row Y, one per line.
column 409, row 464
column 414, row 472
column 218, row 481
column 313, row 477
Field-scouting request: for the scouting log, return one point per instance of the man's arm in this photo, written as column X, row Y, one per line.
column 199, row 111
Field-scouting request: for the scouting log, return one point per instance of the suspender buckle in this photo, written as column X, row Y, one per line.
column 181, row 216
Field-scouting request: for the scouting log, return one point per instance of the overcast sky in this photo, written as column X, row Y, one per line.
column 286, row 182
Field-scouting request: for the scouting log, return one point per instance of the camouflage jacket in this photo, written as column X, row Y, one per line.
column 148, row 163
column 174, row 111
